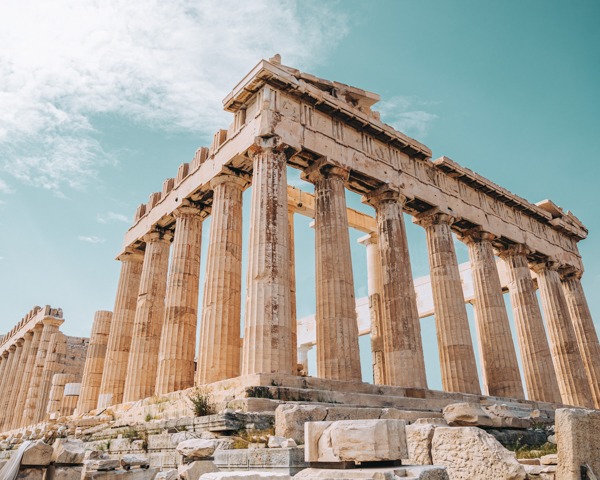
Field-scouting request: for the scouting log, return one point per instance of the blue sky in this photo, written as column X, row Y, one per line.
column 99, row 103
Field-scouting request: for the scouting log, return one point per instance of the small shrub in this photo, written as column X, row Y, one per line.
column 533, row 451
column 201, row 400
column 149, row 417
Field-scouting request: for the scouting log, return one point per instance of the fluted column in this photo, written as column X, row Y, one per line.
column 28, row 373
column 338, row 355
column 570, row 372
column 149, row 316
column 587, row 338
column 292, row 272
column 267, row 325
column 375, row 289
column 20, row 373
column 219, row 352
column 457, row 357
column 9, row 382
column 405, row 364
column 536, row 359
column 178, row 337
column 50, row 328
column 94, row 363
column 498, row 354
column 55, row 361
column 59, row 380
column 121, row 328
column 3, row 365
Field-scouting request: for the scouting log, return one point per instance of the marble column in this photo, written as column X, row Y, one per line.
column 375, row 290
column 55, row 361
column 178, row 337
column 20, row 373
column 587, row 338
column 57, row 392
column 457, row 357
column 404, row 361
column 3, row 365
column 121, row 329
column 51, row 325
column 570, row 372
column 149, row 316
column 26, row 380
column 8, row 382
column 498, row 354
column 338, row 355
column 219, row 352
column 267, row 325
column 536, row 359
column 303, row 357
column 94, row 363
column 292, row 271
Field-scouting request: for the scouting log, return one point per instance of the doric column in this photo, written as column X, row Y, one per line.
column 9, row 382
column 68, row 402
column 536, row 359
column 178, row 337
column 57, row 392
column 498, row 354
column 292, row 272
column 55, row 361
column 404, row 361
column 457, row 357
column 338, row 355
column 20, row 373
column 149, row 316
column 50, row 328
column 3, row 365
column 94, row 363
column 121, row 328
column 375, row 289
column 570, row 372
column 267, row 324
column 587, row 338
column 26, row 380
column 303, row 356
column 220, row 343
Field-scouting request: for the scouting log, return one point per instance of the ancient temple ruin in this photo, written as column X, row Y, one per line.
column 159, row 340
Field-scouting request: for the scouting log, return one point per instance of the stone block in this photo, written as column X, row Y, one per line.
column 290, row 419
column 245, row 476
column 159, row 442
column 276, row 441
column 409, row 416
column 504, row 416
column 466, row 415
column 38, row 453
column 137, row 474
column 551, row 459
column 355, row 440
column 194, row 470
column 64, row 473
column 418, row 441
column 167, row 475
column 30, row 474
column 421, row 472
column 120, row 445
column 102, row 464
column 133, row 461
column 69, row 451
column 469, row 453
column 197, row 448
column 578, row 436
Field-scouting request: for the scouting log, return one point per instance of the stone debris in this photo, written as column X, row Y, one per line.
column 245, row 476
column 128, row 461
column 422, row 472
column 38, row 454
column 276, row 442
column 68, row 451
column 418, row 439
column 64, row 473
column 30, row 474
column 167, row 475
column 136, row 474
column 467, row 415
column 355, row 440
column 469, row 453
column 102, row 464
column 506, row 417
column 578, row 435
column 197, row 448
column 551, row 459
column 194, row 470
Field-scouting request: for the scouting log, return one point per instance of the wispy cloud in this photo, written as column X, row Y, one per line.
column 163, row 64
column 107, row 217
column 4, row 187
column 91, row 239
column 406, row 114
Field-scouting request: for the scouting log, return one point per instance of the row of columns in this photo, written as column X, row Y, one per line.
column 151, row 344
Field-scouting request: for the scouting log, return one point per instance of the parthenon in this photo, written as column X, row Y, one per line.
column 158, row 340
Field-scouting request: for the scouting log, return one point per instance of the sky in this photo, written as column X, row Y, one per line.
column 101, row 101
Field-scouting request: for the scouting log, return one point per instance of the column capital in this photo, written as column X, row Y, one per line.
column 544, row 264
column 434, row 216
column 189, row 208
column 230, row 178
column 325, row 167
column 12, row 348
column 28, row 334
column 38, row 328
column 475, row 235
column 570, row 271
column 368, row 239
column 20, row 342
column 271, row 144
column 5, row 354
column 517, row 249
column 53, row 321
column 131, row 254
column 385, row 194
column 159, row 234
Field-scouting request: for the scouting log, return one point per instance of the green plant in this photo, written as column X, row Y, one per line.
column 201, row 402
column 149, row 417
column 131, row 433
column 533, row 451
column 259, row 392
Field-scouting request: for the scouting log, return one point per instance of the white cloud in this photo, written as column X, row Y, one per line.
column 403, row 114
column 5, row 187
column 91, row 239
column 165, row 64
column 107, row 217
